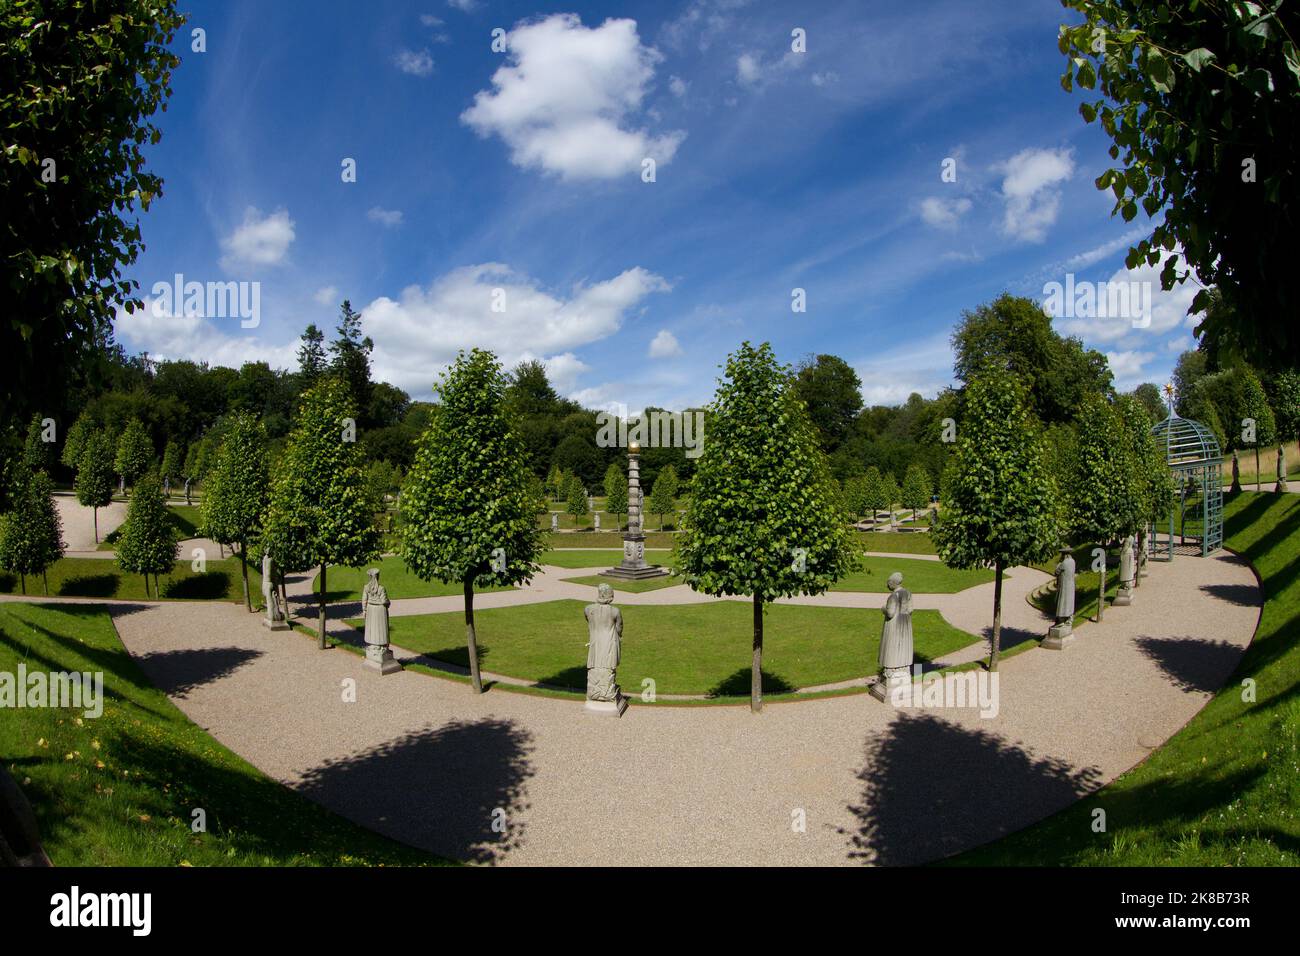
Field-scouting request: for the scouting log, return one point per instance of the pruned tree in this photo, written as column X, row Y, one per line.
column 470, row 516
column 999, row 500
column 917, row 488
column 147, row 542
column 576, row 498
column 31, row 534
column 238, row 491
column 663, row 496
column 94, row 483
column 134, row 452
column 762, row 520
column 616, row 492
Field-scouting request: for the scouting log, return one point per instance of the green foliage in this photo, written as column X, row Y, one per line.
column 873, row 492
column 171, row 463
column 134, row 452
column 615, row 489
column 1148, row 492
column 31, row 534
column 575, row 497
column 889, row 490
column 1200, row 102
column 147, row 543
column 94, row 483
column 1099, row 496
column 999, row 503
column 1152, row 401
column 318, row 509
column 468, row 494
column 556, row 481
column 74, row 440
column 81, row 81
column 311, row 355
column 762, row 490
column 917, row 488
column 1284, row 394
column 238, row 490
column 38, row 454
column 663, row 496
column 832, row 393
column 1238, row 395
column 351, row 357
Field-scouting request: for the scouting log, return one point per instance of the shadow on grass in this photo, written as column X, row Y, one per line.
column 571, row 678
column 738, row 684
column 208, row 586
column 932, row 788
column 178, row 672
column 440, row 788
column 91, row 585
column 1192, row 664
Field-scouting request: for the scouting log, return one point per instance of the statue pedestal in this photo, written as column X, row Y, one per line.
column 891, row 679
column 1124, row 598
column 380, row 658
column 606, row 708
column 633, row 567
column 1059, row 636
column 281, row 625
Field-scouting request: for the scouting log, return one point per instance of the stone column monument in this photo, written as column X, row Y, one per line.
column 1062, row 632
column 895, row 656
column 374, row 600
column 604, row 651
column 274, row 619
column 633, row 566
column 1127, row 572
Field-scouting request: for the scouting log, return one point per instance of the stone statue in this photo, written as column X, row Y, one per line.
column 1281, row 470
column 167, row 487
column 596, row 517
column 555, row 521
column 1062, row 632
column 187, row 491
column 604, row 650
column 1127, row 571
column 1236, row 474
column 274, row 619
column 374, row 602
column 895, row 656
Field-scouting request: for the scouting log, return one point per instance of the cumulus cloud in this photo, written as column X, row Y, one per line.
column 565, row 101
column 944, row 213
column 413, row 62
column 748, row 69
column 259, row 240
column 327, row 295
column 1168, row 309
column 890, row 376
column 665, row 345
column 423, row 328
column 1028, row 190
column 1127, row 367
column 464, row 6
column 385, row 217
column 677, row 86
column 216, row 341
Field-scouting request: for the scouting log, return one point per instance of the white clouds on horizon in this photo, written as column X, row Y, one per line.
column 259, row 240
column 563, row 102
column 1032, row 202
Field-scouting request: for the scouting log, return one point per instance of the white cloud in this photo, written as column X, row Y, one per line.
column 748, row 69
column 429, row 20
column 1032, row 203
column 944, row 213
column 1095, row 255
column 563, row 370
column 677, row 86
column 464, row 6
column 827, row 78
column 665, row 345
column 899, row 369
column 423, row 328
column 563, row 102
column 1127, row 368
column 385, row 217
column 414, row 62
column 327, row 295
column 259, row 240
column 1168, row 309
column 166, row 336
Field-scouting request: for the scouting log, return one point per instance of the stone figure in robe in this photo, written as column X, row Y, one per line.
column 375, row 601
column 604, row 646
column 270, row 593
column 896, row 635
column 1127, row 565
column 1065, row 588
column 1281, row 469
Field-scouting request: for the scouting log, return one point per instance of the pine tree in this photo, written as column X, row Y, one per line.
column 238, row 491
column 31, row 534
column 147, row 542
column 616, row 492
column 134, row 452
column 351, row 356
column 999, row 498
column 318, row 514
column 94, row 483
column 761, row 520
column 311, row 356
column 469, row 513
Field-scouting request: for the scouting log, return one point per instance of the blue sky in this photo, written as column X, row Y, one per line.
column 499, row 198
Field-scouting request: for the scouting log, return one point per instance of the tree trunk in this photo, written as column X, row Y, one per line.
column 471, row 639
column 1101, row 588
column 23, row 580
column 320, row 632
column 146, row 584
column 995, row 648
column 756, row 666
column 1137, row 559
column 1257, row 475
column 284, row 592
column 243, row 568
column 45, row 580
column 95, row 513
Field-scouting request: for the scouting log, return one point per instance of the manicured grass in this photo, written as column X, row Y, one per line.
column 1224, row 790
column 605, row 539
column 185, row 518
column 634, row 587
column 923, row 577
column 120, row 789
column 896, row 542
column 346, row 584
column 577, row 558
column 685, row 649
column 102, row 578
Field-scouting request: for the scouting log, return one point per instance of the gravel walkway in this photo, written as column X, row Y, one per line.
column 428, row 762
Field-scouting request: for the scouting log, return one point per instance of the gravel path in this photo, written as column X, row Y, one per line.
column 79, row 524
column 430, row 763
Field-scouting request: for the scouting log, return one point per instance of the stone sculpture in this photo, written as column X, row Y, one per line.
column 1061, row 633
column 374, row 600
column 275, row 619
column 1127, row 569
column 895, row 658
column 604, row 650
column 1281, row 470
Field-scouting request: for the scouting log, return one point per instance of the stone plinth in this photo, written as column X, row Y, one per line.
column 380, row 658
column 1124, row 598
column 1059, row 636
column 280, row 625
column 606, row 708
column 890, row 678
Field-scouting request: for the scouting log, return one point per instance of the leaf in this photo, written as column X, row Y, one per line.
column 1198, row 58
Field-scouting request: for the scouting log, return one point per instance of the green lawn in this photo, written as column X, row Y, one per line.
column 922, row 577
column 185, row 517
column 1225, row 790
column 686, row 649
column 606, row 539
column 896, row 542
column 634, row 587
column 345, row 584
column 102, row 578
column 577, row 558
column 120, row 789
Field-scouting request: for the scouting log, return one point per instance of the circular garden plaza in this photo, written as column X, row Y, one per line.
column 1060, row 659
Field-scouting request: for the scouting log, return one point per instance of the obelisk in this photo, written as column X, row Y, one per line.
column 633, row 566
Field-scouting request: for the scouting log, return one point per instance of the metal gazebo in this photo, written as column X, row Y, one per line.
column 1196, row 464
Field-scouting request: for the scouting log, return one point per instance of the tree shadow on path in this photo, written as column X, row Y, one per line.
column 176, row 673
column 932, row 788
column 452, row 789
column 1244, row 595
column 1190, row 663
